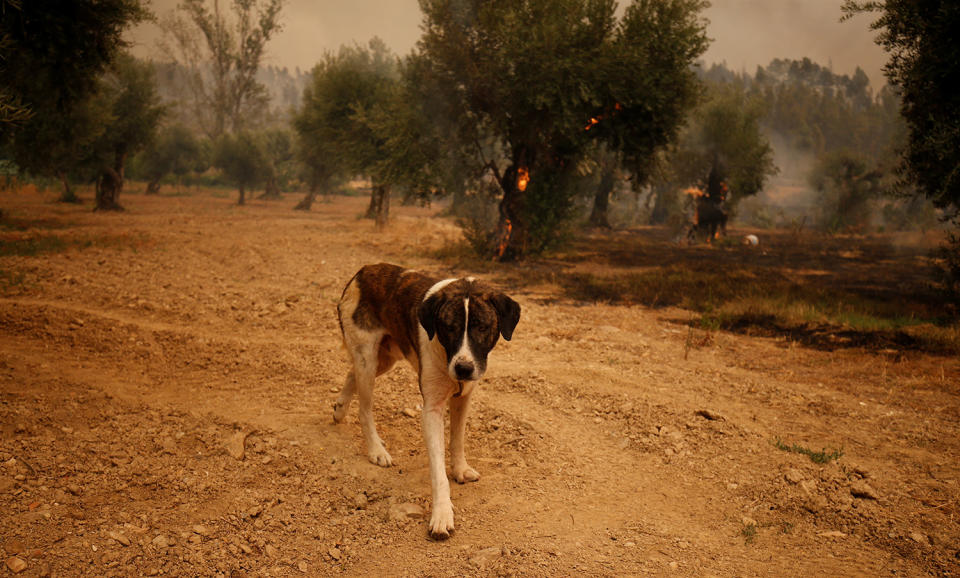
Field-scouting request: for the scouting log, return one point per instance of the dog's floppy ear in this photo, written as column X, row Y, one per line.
column 508, row 314
column 427, row 314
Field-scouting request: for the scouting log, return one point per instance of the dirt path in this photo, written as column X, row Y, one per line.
column 611, row 440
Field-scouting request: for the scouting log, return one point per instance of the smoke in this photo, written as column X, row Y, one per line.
column 751, row 33
column 745, row 33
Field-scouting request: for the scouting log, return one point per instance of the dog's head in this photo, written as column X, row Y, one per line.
column 467, row 318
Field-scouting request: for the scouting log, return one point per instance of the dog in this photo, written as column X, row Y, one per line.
column 445, row 329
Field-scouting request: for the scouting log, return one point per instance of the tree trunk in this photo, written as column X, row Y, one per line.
column 660, row 211
column 67, row 196
column 601, row 201
column 271, row 190
column 511, row 235
column 110, row 184
column 380, row 205
column 243, row 193
column 307, row 202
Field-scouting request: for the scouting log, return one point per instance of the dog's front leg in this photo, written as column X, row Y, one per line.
column 462, row 472
column 435, row 396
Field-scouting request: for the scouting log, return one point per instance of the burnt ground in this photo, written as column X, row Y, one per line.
column 167, row 373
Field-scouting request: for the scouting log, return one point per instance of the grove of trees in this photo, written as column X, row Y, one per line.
column 526, row 113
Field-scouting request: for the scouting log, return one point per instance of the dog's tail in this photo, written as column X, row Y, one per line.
column 343, row 295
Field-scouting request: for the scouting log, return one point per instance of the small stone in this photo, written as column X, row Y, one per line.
column 709, row 414
column 255, row 511
column 161, row 541
column 74, row 489
column 16, row 565
column 302, row 566
column 14, row 546
column 334, row 553
column 361, row 502
column 673, row 565
column 272, row 551
column 919, row 538
column 861, row 489
column 794, row 476
column 246, row 549
column 814, row 504
column 832, row 534
column 484, row 557
column 235, row 445
column 406, row 511
column 409, row 412
column 119, row 538
column 201, row 529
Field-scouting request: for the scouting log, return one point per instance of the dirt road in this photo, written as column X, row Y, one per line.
column 167, row 375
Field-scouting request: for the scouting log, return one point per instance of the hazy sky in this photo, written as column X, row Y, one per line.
column 745, row 33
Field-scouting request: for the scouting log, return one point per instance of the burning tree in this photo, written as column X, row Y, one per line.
column 535, row 83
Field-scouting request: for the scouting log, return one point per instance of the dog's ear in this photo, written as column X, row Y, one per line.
column 427, row 314
column 508, row 314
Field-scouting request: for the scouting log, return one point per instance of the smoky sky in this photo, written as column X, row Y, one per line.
column 744, row 33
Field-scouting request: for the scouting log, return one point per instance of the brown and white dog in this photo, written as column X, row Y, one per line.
column 445, row 329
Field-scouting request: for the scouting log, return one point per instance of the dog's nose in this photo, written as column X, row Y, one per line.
column 463, row 369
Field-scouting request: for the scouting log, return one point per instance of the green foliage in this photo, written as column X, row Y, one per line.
column 175, row 151
column 821, row 457
column 921, row 40
column 846, row 185
column 360, row 116
column 723, row 132
column 53, row 55
column 243, row 160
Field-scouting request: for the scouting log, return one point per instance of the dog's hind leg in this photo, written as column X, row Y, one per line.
column 462, row 472
column 365, row 367
column 342, row 404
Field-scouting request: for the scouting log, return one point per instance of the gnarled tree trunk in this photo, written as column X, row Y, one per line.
column 109, row 185
column 379, row 208
column 67, row 196
column 242, row 195
column 599, row 216
column 307, row 202
column 511, row 234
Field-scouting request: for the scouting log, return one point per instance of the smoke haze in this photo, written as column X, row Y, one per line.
column 744, row 33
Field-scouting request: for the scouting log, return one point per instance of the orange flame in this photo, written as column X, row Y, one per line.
column 695, row 192
column 502, row 247
column 523, row 179
column 595, row 120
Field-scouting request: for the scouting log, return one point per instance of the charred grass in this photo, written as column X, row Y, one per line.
column 826, row 292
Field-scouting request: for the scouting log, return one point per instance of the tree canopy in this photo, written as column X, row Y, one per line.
column 53, row 55
column 925, row 65
column 533, row 83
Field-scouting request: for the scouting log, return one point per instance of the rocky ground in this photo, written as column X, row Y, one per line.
column 166, row 377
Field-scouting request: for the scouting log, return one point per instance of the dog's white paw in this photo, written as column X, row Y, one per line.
column 381, row 457
column 441, row 521
column 466, row 474
column 339, row 412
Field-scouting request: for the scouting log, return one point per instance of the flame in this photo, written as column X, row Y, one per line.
column 523, row 179
column 595, row 120
column 695, row 192
column 502, row 247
